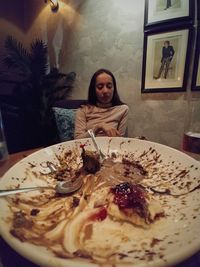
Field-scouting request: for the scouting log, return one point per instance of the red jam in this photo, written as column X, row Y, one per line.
column 82, row 146
column 100, row 215
column 127, row 195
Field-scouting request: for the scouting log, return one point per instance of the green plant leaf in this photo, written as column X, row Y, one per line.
column 39, row 63
column 17, row 56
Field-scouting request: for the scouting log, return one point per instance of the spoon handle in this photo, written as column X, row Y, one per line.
column 6, row 192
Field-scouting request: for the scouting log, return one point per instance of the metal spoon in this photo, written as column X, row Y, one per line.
column 62, row 187
column 91, row 133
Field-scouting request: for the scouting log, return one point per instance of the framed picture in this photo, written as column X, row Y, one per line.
column 165, row 61
column 196, row 69
column 198, row 10
column 168, row 11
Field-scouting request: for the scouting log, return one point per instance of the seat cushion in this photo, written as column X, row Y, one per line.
column 65, row 123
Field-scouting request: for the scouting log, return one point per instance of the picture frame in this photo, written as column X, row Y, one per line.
column 198, row 10
column 196, row 67
column 165, row 70
column 165, row 12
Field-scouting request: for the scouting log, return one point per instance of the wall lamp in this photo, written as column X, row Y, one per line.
column 54, row 5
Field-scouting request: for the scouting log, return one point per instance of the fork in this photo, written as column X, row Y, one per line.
column 91, row 133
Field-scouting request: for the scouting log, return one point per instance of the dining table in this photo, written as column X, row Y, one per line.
column 10, row 258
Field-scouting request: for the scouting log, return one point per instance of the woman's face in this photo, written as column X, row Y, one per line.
column 104, row 88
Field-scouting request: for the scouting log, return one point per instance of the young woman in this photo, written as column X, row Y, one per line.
column 105, row 113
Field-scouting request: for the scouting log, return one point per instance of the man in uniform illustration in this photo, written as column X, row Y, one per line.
column 167, row 55
column 168, row 4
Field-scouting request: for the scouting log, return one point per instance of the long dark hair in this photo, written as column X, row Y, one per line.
column 92, row 98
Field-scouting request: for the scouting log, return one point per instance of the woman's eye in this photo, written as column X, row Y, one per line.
column 109, row 85
column 99, row 86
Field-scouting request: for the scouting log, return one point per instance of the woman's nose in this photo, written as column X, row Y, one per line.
column 105, row 89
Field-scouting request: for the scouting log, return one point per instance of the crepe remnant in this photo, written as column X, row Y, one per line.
column 114, row 197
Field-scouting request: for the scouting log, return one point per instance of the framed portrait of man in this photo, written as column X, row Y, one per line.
column 198, row 10
column 196, row 67
column 165, row 60
column 168, row 11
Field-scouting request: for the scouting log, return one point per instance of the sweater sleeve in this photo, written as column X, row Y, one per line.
column 115, row 117
column 80, row 124
column 122, row 126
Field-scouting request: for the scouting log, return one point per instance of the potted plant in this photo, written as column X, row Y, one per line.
column 34, row 89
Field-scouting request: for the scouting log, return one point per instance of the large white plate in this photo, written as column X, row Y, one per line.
column 177, row 233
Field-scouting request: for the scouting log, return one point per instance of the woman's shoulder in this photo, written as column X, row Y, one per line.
column 122, row 108
column 88, row 108
column 85, row 108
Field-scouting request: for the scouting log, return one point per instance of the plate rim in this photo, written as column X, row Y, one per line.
column 172, row 259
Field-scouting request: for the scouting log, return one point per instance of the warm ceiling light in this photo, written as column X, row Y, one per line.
column 54, row 5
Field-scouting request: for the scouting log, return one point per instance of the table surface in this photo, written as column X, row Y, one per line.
column 14, row 158
column 10, row 258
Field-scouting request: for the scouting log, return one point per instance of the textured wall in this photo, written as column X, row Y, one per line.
column 89, row 34
column 110, row 34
